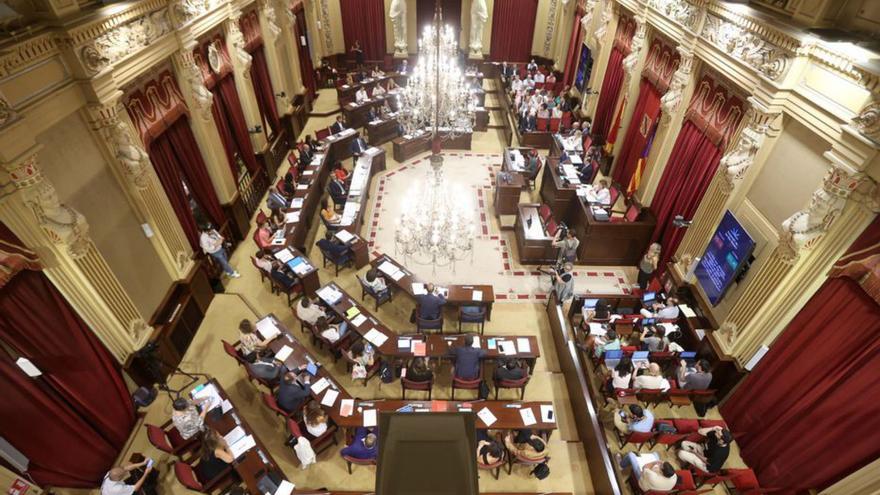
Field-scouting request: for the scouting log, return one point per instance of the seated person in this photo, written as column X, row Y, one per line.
column 376, row 73
column 287, row 188
column 637, row 420
column 403, row 67
column 358, row 146
column 364, row 445
column 331, row 331
column 372, row 115
column 315, row 419
column 378, row 91
column 314, row 146
column 551, row 78
column 264, row 236
column 329, row 214
column 309, row 311
column 525, row 445
column 467, row 360
column 339, row 171
column 215, row 456
column 697, row 378
column 621, row 375
column 293, row 390
column 652, row 380
column 307, row 151
column 305, row 158
column 431, row 303
column 511, row 369
column 376, row 282
column 709, row 455
column 338, row 126
column 263, row 261
column 607, row 343
column 418, row 370
column 332, row 246
column 250, row 342
column 556, row 113
column 337, row 189
column 187, row 418
column 540, row 77
column 543, row 113
column 391, row 86
column 654, row 475
column 266, row 368
column 114, row 481
column 363, row 358
column 531, row 162
column 532, row 66
column 654, row 338
column 488, row 451
column 283, row 276
column 360, row 95
column 600, row 194
column 275, row 201
column 575, row 130
column 668, row 311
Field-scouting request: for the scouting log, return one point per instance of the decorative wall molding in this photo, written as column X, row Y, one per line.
column 325, row 23
column 272, row 30
column 92, row 30
column 769, row 60
column 126, row 39
column 29, row 52
column 194, row 79
column 632, row 59
column 236, row 39
column 671, row 100
column 8, row 115
column 867, row 122
column 184, row 11
column 741, row 155
column 604, row 20
column 551, row 27
column 92, row 59
column 680, row 11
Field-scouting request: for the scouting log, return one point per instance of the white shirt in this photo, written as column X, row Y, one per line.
column 651, row 382
column 378, row 90
column 311, row 314
column 529, row 82
column 601, row 196
column 317, row 430
column 361, row 95
column 110, row 487
column 539, row 77
column 211, row 241
column 516, row 85
column 668, row 313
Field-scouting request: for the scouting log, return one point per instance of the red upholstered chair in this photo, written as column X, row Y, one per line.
column 263, row 275
column 566, row 120
column 702, row 396
column 168, row 439
column 512, row 384
column 539, row 85
column 360, row 462
column 551, row 227
column 543, row 124
column 233, row 352
column 588, row 140
column 554, row 124
column 709, row 423
column 626, row 396
column 407, row 384
column 706, row 478
column 667, row 439
column 689, row 428
column 524, row 461
column 269, row 401
column 319, row 444
column 460, row 384
column 371, row 371
column 745, row 482
column 677, row 397
column 637, row 438
column 262, row 217
column 614, row 193
column 651, row 396
column 495, row 467
column 322, row 134
column 545, row 212
column 388, row 63
column 187, row 477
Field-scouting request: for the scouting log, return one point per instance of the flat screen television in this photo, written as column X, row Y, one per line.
column 723, row 259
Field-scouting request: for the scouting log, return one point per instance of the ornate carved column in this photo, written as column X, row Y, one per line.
column 199, row 100
column 810, row 241
column 598, row 15
column 290, row 70
column 670, row 102
column 633, row 60
column 137, row 176
column 734, row 165
column 60, row 235
column 241, row 66
column 275, row 45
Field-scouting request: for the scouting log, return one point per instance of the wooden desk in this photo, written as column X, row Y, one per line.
column 610, row 243
column 535, row 247
column 310, row 280
column 405, row 148
column 257, row 460
column 380, row 132
column 339, row 145
column 459, row 295
column 345, row 93
column 481, row 119
column 508, row 186
column 367, row 165
column 558, row 196
column 308, row 190
column 356, row 113
column 460, row 142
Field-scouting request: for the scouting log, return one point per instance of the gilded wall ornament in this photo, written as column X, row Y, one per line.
column 767, row 59
column 130, row 38
column 867, row 122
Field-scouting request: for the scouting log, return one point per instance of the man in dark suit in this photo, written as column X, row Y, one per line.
column 371, row 115
column 336, row 188
column 467, row 359
column 338, row 126
column 292, row 393
column 430, row 304
column 358, row 146
column 305, row 156
column 510, row 369
column 332, row 245
column 275, row 202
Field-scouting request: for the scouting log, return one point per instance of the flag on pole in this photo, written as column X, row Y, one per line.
column 640, row 165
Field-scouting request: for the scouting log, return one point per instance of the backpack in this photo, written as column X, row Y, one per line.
column 386, row 373
column 484, row 390
column 541, row 471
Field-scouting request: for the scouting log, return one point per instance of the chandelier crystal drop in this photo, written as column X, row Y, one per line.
column 437, row 224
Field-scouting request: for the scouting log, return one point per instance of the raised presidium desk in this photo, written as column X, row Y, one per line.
column 252, row 458
column 508, row 186
column 388, row 343
column 348, row 412
column 367, row 165
column 356, row 113
column 410, row 145
column 381, row 131
column 533, row 243
column 346, row 92
column 408, row 283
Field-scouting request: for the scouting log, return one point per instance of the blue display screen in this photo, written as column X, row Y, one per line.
column 729, row 248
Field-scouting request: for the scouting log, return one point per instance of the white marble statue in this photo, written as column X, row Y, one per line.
column 479, row 16
column 397, row 13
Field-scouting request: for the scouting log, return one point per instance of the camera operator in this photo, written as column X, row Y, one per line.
column 567, row 244
column 563, row 283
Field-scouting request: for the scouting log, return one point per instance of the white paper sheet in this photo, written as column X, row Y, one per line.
column 267, row 328
column 358, row 320
column 528, row 416
column 404, row 343
column 291, row 217
column 344, row 235
column 388, row 267
column 687, row 311
column 477, row 295
column 234, row 435
column 297, row 203
column 370, row 418
column 210, row 392
column 376, row 337
column 284, row 255
column 545, row 414
column 507, row 347
column 476, row 344
column 418, row 288
column 320, row 385
column 523, row 345
column 283, row 353
column 226, row 406
column 346, row 407
column 285, row 488
column 240, row 447
column 330, row 398
column 486, row 416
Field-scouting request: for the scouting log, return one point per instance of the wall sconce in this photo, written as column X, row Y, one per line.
column 256, row 129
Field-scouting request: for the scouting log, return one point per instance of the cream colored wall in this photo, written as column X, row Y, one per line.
column 791, row 173
column 72, row 161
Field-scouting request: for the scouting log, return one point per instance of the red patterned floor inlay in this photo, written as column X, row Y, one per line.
column 608, row 274
column 592, row 274
column 522, row 296
column 500, row 296
column 541, row 296
column 519, row 274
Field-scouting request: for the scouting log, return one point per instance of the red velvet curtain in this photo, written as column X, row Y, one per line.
column 513, row 25
column 609, row 93
column 688, row 173
column 645, row 114
column 305, row 56
column 804, row 417
column 73, row 420
column 575, row 45
column 263, row 90
column 176, row 156
column 364, row 21
column 232, row 125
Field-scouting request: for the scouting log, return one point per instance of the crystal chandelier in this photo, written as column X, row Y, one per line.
column 436, row 227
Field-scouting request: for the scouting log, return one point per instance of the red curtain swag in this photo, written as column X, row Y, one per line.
column 175, row 156
column 73, row 420
column 645, row 115
column 156, row 106
column 264, row 91
column 862, row 261
column 364, row 21
column 800, row 417
column 305, row 57
column 575, row 45
column 513, row 25
column 609, row 93
column 14, row 256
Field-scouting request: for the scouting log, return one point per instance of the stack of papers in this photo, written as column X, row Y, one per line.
column 390, row 269
column 418, row 288
column 291, row 217
column 267, row 328
column 507, row 347
column 349, row 212
column 547, row 414
column 330, row 398
column 329, row 294
column 369, row 418
column 376, row 337
column 240, row 447
column 283, row 353
column 597, row 329
column 235, row 435
column 478, row 295
column 344, row 236
column 284, row 255
column 346, row 407
column 687, row 311
column 320, row 385
column 299, row 266
column 207, row 391
column 358, row 320
column 528, row 416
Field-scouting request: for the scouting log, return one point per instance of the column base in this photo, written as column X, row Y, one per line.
column 400, row 54
column 475, row 56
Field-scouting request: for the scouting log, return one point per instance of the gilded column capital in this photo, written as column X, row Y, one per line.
column 8, row 115
column 604, row 19
column 806, row 227
column 736, row 162
column 671, row 100
column 267, row 7
column 107, row 121
column 61, row 223
column 192, row 76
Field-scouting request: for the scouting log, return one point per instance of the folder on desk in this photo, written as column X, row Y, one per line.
column 284, row 353
column 330, row 398
column 352, row 312
column 419, row 347
column 346, row 407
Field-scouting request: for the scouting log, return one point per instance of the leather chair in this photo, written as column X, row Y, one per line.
column 495, row 467
column 426, row 324
column 342, row 260
column 272, row 404
column 512, row 384
column 476, row 318
column 188, row 477
column 360, row 462
column 461, row 384
column 667, row 439
column 319, row 444
column 167, row 439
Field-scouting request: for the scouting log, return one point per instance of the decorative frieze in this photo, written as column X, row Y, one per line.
column 325, row 26
column 183, row 11
column 867, row 122
column 126, row 39
column 92, row 59
column 680, row 11
column 28, row 52
column 671, row 100
column 768, row 59
column 551, row 25
column 736, row 162
column 272, row 30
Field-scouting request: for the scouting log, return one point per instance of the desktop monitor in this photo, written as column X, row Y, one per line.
column 590, row 303
column 724, row 257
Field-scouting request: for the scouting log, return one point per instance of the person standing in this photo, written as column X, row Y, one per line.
column 358, row 53
column 567, row 244
column 563, row 283
column 648, row 264
column 211, row 243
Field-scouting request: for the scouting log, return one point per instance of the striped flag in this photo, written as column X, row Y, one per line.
column 640, row 166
